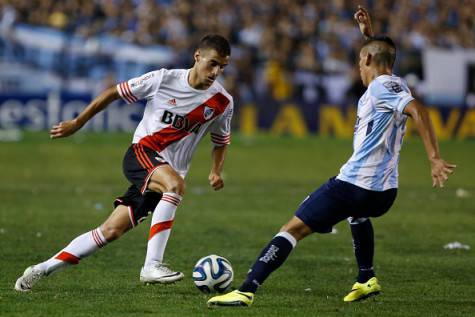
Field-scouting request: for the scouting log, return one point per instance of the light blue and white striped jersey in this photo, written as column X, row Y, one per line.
column 379, row 130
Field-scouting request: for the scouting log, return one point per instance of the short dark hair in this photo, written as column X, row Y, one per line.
column 216, row 42
column 387, row 53
column 381, row 38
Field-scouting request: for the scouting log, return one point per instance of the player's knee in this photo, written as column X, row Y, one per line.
column 298, row 234
column 111, row 233
column 297, row 231
column 156, row 187
column 176, row 185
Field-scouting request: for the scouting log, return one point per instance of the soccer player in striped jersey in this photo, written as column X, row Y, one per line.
column 183, row 105
column 366, row 185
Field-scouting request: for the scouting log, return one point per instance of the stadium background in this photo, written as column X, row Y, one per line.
column 293, row 67
column 293, row 76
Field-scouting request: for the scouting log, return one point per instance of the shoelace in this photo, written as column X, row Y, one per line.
column 32, row 278
column 164, row 267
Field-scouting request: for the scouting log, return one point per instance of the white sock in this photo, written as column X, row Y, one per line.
column 160, row 228
column 81, row 247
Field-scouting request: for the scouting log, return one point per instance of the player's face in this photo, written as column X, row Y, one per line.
column 209, row 65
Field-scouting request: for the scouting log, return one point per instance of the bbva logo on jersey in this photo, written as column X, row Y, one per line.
column 180, row 122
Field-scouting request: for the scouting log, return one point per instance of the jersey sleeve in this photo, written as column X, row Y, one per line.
column 143, row 87
column 221, row 128
column 390, row 95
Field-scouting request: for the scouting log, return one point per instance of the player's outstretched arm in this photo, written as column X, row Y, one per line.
column 66, row 128
column 440, row 169
column 364, row 22
column 215, row 179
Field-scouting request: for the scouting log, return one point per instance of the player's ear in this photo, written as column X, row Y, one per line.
column 368, row 59
column 197, row 56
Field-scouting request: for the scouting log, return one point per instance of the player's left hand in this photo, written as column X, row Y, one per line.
column 216, row 181
column 64, row 129
column 440, row 171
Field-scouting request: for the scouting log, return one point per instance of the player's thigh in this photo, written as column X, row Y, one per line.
column 324, row 208
column 364, row 203
column 166, row 179
column 139, row 165
column 381, row 202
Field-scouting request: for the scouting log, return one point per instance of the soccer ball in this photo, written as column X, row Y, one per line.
column 213, row 273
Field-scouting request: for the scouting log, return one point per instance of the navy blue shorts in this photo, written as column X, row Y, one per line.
column 337, row 200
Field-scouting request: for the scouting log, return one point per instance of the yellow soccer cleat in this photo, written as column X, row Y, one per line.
column 361, row 291
column 234, row 298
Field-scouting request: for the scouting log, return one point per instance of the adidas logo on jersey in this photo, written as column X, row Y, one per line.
column 172, row 102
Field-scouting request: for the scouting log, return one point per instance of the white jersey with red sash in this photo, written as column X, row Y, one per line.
column 177, row 116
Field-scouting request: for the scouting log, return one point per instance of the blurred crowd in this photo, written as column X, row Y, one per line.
column 286, row 48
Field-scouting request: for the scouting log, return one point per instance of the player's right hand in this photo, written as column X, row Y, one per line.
column 440, row 171
column 64, row 129
column 216, row 181
column 364, row 21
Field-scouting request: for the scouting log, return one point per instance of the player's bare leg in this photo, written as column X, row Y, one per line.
column 297, row 228
column 117, row 224
column 167, row 181
column 82, row 246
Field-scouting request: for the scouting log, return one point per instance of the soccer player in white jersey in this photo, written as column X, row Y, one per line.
column 366, row 185
column 182, row 106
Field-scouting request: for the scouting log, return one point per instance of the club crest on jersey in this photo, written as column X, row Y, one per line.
column 208, row 112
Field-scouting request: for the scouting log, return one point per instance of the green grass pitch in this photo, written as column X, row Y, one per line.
column 52, row 191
